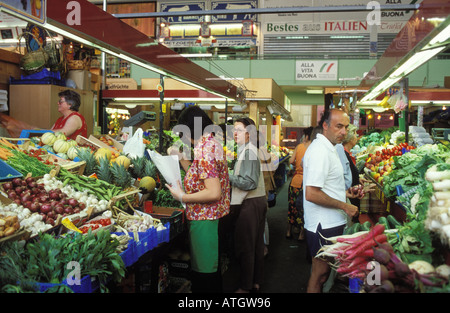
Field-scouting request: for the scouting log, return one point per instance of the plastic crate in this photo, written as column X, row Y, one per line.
column 87, row 285
column 27, row 133
column 173, row 216
column 355, row 285
column 7, row 172
column 147, row 241
column 40, row 81
column 163, row 235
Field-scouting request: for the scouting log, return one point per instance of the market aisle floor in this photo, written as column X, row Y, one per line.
column 286, row 266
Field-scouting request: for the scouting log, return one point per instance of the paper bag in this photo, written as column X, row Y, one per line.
column 168, row 166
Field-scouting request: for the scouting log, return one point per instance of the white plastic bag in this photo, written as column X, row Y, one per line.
column 134, row 146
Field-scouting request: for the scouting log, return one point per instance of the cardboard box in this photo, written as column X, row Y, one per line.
column 82, row 78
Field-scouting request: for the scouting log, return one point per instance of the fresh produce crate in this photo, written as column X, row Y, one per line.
column 28, row 133
column 163, row 235
column 145, row 241
column 173, row 216
column 355, row 285
column 82, row 141
column 129, row 256
column 7, row 172
column 115, row 145
column 87, row 284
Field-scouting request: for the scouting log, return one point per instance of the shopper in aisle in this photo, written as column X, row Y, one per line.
column 71, row 123
column 206, row 195
column 248, row 195
column 325, row 205
column 295, row 194
column 351, row 173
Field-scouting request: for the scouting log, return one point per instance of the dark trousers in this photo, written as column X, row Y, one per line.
column 249, row 241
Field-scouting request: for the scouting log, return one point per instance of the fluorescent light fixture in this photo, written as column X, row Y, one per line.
column 314, row 91
column 127, row 58
column 196, row 55
column 177, row 106
column 414, row 59
column 239, row 108
column 441, row 37
column 128, row 99
column 205, row 107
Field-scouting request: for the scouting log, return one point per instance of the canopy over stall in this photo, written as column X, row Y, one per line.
column 425, row 35
column 86, row 23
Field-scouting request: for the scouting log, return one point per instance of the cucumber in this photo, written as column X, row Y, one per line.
column 393, row 222
column 366, row 226
column 383, row 220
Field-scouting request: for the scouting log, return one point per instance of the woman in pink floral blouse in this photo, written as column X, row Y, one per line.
column 206, row 195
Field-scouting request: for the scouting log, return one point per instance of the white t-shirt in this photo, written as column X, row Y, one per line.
column 323, row 168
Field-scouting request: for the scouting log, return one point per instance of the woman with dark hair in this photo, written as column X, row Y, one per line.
column 206, row 195
column 295, row 212
column 248, row 196
column 71, row 123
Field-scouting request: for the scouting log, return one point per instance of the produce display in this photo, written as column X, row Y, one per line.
column 89, row 210
column 410, row 251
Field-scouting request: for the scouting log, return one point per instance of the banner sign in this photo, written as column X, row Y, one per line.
column 316, row 70
column 177, row 7
column 227, row 5
column 34, row 10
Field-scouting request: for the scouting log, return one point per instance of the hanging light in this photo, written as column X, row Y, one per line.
column 444, row 107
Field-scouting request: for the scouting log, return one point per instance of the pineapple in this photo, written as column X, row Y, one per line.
column 138, row 164
column 85, row 154
column 104, row 170
column 149, row 169
column 121, row 176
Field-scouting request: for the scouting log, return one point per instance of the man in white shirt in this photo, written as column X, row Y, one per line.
column 325, row 205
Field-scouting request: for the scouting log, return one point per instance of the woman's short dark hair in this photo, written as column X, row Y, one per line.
column 190, row 117
column 308, row 131
column 72, row 98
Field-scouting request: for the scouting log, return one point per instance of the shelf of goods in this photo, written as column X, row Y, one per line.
column 404, row 245
column 84, row 197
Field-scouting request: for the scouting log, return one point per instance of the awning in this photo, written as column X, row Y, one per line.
column 420, row 25
column 84, row 20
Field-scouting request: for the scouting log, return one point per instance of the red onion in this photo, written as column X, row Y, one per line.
column 16, row 182
column 68, row 210
column 12, row 194
column 18, row 189
column 27, row 204
column 73, row 202
column 53, row 195
column 7, row 186
column 51, row 215
column 35, row 207
column 50, row 221
column 45, row 208
column 59, row 209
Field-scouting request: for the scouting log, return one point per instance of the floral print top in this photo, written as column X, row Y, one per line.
column 209, row 162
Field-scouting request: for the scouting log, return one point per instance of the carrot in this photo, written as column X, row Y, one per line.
column 366, row 245
column 375, row 231
column 8, row 144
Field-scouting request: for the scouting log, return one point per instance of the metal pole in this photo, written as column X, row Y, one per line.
column 226, row 120
column 161, row 114
column 406, row 112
